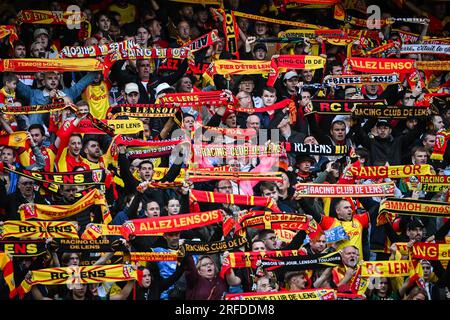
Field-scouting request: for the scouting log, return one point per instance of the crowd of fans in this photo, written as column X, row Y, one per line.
column 56, row 146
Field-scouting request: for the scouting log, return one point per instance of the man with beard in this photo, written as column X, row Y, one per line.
column 344, row 274
column 91, row 149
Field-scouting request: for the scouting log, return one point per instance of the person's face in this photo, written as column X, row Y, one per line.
column 20, row 51
column 305, row 98
column 247, row 86
column 438, row 122
column 384, row 131
column 420, row 157
column 350, row 93
column 93, row 150
column 408, row 99
column 415, row 233
column 245, row 99
column 307, row 75
column 447, row 115
column 258, row 246
column 51, row 81
column 206, row 268
column 173, row 207
column 104, row 23
column 132, row 97
column 75, row 145
column 187, row 12
column 411, row 123
column 284, row 184
column 186, row 85
column 188, row 123
column 426, row 270
column 83, row 110
column 142, row 36
column 146, row 278
column 338, row 131
column 344, row 211
column 38, row 51
column 429, row 142
column 80, row 291
column 310, row 140
column 350, row 256
column 152, row 209
column 144, row 69
column 291, row 83
column 372, row 89
column 11, row 85
column 68, row 193
column 271, row 193
column 260, row 54
column 146, row 130
column 243, row 24
column 419, row 296
column 202, row 16
column 173, row 239
column 271, row 241
column 224, row 187
column 304, row 166
column 260, row 28
column 26, row 187
column 384, row 286
column 297, row 282
column 146, row 171
column 74, row 260
column 184, row 30
column 337, row 70
column 263, row 285
column 8, row 156
column 155, row 28
column 318, row 245
column 253, row 122
column 268, row 98
column 43, row 39
column 231, row 121
column 91, row 41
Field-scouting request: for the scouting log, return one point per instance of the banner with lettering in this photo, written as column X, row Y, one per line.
column 75, row 275
column 412, row 207
column 95, row 230
column 195, row 99
column 195, row 247
column 375, row 65
column 431, row 183
column 315, row 261
column 55, row 212
column 284, row 62
column 241, row 150
column 313, row 294
column 23, row 248
column 233, row 67
column 316, row 149
column 351, row 80
column 47, row 65
column 392, row 268
column 217, row 197
column 153, row 256
column 317, row 190
column 46, row 108
column 39, row 229
column 335, row 107
column 142, row 111
column 179, row 222
column 80, row 245
column 202, row 175
column 393, row 172
column 425, row 49
column 96, row 50
column 431, row 251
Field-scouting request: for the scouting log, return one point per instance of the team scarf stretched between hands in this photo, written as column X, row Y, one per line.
column 56, row 212
column 311, row 294
column 315, row 190
column 39, row 229
column 76, row 275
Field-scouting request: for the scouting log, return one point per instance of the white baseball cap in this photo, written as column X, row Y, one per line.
column 163, row 86
column 289, row 75
column 131, row 87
